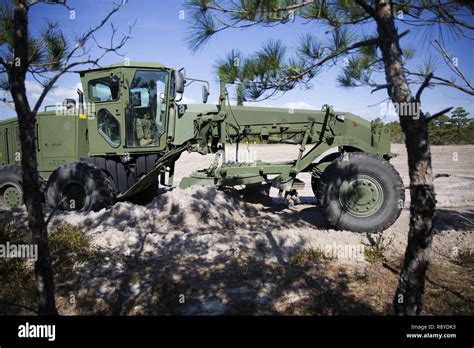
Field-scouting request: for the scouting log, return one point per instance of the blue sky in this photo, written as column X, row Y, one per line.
column 159, row 35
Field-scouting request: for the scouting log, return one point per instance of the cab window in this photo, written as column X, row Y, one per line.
column 108, row 127
column 104, row 89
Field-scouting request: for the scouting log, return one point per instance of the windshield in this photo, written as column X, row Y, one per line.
column 147, row 109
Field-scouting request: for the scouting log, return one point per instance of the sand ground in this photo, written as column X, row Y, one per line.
column 202, row 251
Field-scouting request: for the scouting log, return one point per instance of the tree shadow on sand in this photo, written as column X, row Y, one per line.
column 173, row 281
column 168, row 267
column 452, row 219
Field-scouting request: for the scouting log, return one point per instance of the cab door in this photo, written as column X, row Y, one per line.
column 105, row 113
column 147, row 112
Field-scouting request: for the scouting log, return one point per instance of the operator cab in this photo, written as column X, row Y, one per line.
column 130, row 103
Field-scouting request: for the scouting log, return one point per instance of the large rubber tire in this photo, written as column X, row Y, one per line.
column 80, row 186
column 316, row 181
column 315, row 186
column 361, row 192
column 11, row 186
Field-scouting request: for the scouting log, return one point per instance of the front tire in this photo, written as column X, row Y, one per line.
column 361, row 192
column 80, row 186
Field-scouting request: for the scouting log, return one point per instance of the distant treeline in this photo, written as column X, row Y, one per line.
column 443, row 130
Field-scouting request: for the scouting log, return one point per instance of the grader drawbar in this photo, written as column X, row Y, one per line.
column 128, row 129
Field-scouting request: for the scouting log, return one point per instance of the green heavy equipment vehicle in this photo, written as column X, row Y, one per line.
column 128, row 129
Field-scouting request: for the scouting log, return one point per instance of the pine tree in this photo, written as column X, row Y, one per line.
column 374, row 48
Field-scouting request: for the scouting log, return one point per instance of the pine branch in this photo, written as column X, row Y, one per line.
column 438, row 114
column 444, row 82
column 379, row 87
column 449, row 62
column 425, row 84
column 337, row 53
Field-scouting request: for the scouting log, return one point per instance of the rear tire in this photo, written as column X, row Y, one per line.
column 80, row 186
column 361, row 192
column 11, row 186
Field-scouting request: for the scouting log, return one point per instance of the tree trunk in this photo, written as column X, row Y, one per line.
column 408, row 297
column 27, row 125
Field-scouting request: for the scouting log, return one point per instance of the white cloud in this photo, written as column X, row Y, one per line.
column 55, row 95
column 63, row 93
column 187, row 100
column 298, row 105
column 33, row 87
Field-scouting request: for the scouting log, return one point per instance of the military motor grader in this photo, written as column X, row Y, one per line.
column 129, row 128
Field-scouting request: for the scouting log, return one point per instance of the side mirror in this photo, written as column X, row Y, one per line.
column 205, row 94
column 179, row 81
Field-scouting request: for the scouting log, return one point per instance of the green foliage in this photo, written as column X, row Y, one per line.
column 428, row 66
column 17, row 292
column 201, row 31
column 346, row 22
column 47, row 50
column 409, row 53
column 375, row 252
column 319, row 10
column 310, row 46
column 356, row 70
column 396, row 132
column 335, row 13
column 271, row 69
column 376, row 125
column 268, row 68
column 228, row 69
column 304, row 256
column 342, row 38
column 68, row 246
column 6, row 25
column 457, row 129
column 459, row 117
column 443, row 130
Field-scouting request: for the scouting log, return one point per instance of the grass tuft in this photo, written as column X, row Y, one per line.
column 304, row 256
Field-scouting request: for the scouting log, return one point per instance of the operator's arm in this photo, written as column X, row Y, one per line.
column 144, row 142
